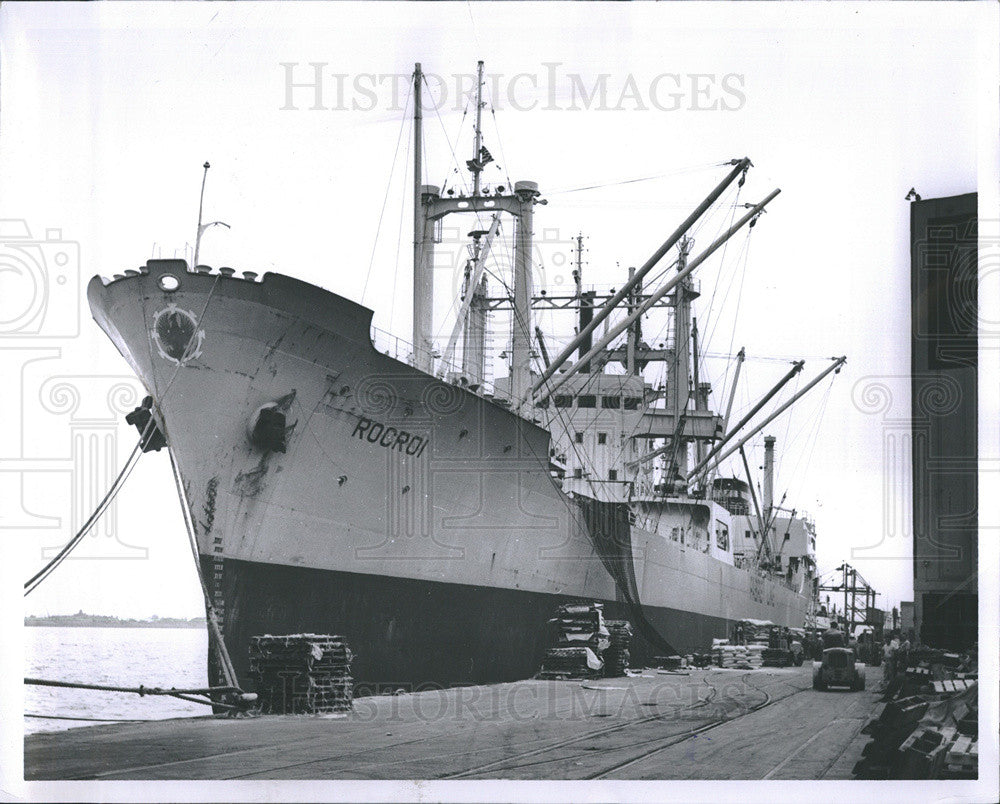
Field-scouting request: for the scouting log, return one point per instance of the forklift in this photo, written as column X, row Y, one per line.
column 782, row 650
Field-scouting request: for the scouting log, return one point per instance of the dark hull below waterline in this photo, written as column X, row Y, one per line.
column 407, row 632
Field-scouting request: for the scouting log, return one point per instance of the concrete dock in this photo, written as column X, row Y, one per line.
column 704, row 724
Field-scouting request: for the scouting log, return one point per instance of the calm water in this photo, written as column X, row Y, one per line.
column 126, row 657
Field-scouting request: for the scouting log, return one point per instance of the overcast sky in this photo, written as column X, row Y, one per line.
column 109, row 111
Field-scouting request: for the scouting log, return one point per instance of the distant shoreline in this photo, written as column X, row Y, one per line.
column 81, row 620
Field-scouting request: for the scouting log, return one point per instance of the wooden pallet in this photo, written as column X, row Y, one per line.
column 963, row 755
column 952, row 685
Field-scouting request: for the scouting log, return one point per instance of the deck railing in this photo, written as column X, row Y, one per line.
column 447, row 371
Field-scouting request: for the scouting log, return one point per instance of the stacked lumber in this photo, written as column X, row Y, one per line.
column 616, row 656
column 302, row 673
column 580, row 640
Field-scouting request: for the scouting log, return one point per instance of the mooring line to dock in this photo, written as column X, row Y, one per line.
column 35, row 580
column 211, row 616
column 142, row 690
column 94, row 719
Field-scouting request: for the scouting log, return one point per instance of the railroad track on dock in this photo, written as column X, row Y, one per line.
column 713, row 692
column 648, row 747
column 664, row 743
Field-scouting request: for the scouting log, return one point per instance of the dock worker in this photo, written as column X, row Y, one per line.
column 892, row 672
column 887, row 668
column 833, row 638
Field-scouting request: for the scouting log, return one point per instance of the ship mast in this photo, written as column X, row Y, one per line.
column 678, row 379
column 430, row 208
column 476, row 165
column 423, row 291
column 585, row 306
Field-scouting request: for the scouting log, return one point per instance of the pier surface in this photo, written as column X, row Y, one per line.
column 708, row 724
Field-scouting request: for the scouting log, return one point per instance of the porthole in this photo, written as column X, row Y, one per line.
column 169, row 283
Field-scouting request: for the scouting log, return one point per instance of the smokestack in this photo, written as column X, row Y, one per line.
column 768, row 475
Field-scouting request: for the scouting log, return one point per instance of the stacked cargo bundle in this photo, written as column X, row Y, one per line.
column 616, row 657
column 581, row 639
column 570, row 663
column 581, row 624
column 755, row 655
column 962, row 759
column 928, row 670
column 302, row 673
column 726, row 655
column 932, row 736
column 755, row 631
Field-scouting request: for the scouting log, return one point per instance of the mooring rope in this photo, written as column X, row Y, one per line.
column 93, row 719
column 35, row 580
column 225, row 663
column 142, row 690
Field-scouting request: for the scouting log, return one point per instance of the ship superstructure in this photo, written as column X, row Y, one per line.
column 433, row 514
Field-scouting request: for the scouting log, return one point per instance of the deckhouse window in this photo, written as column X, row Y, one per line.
column 579, row 438
column 602, row 438
column 561, row 401
column 586, row 401
column 631, row 403
column 578, row 472
column 721, row 536
column 612, row 474
column 611, row 402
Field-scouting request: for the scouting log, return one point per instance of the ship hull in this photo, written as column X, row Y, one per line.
column 406, row 632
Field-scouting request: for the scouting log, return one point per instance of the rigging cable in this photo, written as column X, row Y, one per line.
column 713, row 322
column 388, row 187
column 399, row 242
column 739, row 300
column 807, row 453
column 447, row 139
column 679, row 172
column 788, row 427
column 496, row 128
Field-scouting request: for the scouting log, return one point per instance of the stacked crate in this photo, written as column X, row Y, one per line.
column 928, row 736
column 302, row 673
column 962, row 759
column 581, row 638
column 616, row 657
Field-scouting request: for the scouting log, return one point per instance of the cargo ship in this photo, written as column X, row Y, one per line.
column 435, row 515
